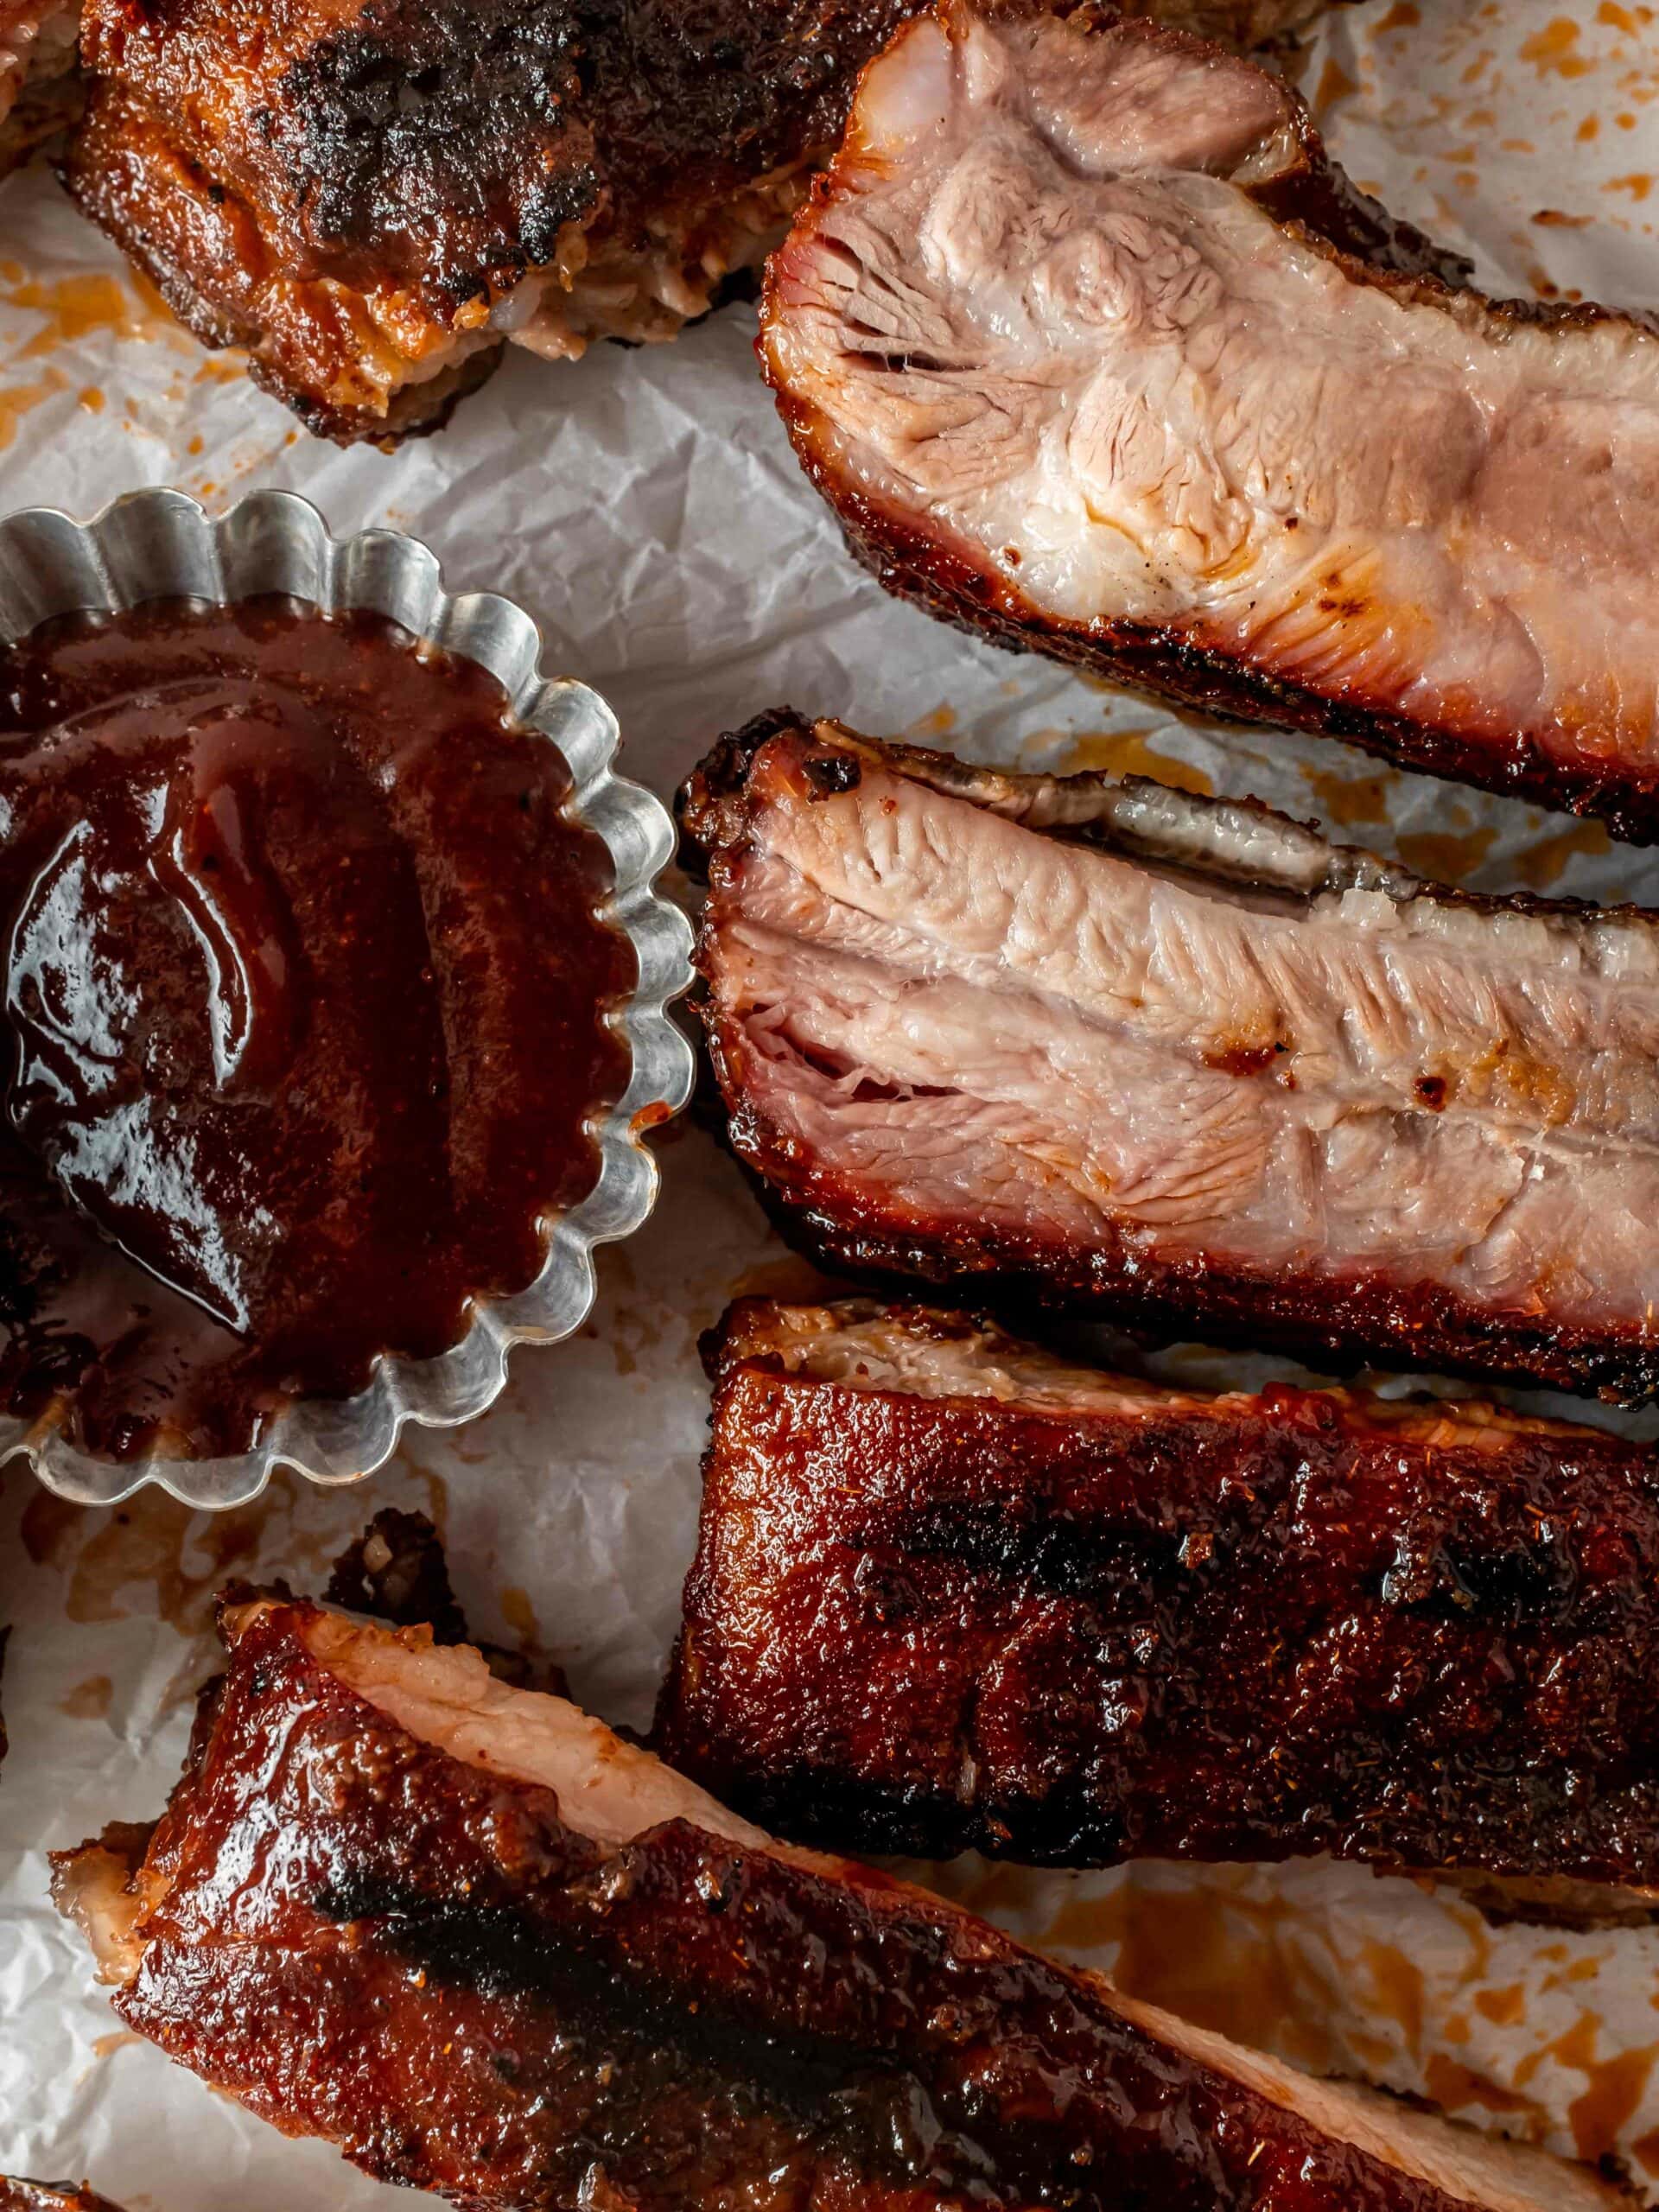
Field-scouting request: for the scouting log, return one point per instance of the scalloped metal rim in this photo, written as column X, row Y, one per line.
column 157, row 543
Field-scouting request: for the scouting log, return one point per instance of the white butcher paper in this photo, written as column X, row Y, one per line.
column 646, row 508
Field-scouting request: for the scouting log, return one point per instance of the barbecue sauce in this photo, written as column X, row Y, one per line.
column 305, row 994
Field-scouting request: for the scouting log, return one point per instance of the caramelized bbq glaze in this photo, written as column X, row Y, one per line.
column 304, row 1007
column 1052, row 1627
column 360, row 1936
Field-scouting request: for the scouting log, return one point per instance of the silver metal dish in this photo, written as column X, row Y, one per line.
column 158, row 544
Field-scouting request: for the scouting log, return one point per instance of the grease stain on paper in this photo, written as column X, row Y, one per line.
column 1122, row 752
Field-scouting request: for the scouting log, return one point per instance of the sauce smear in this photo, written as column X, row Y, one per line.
column 305, row 988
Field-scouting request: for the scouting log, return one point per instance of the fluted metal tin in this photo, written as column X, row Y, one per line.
column 155, row 544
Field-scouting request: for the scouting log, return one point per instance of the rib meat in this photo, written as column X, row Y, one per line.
column 465, row 1934
column 1091, row 348
column 1111, row 1045
column 39, row 91
column 374, row 196
column 951, row 1593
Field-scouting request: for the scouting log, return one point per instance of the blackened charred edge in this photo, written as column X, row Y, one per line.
column 1146, row 658
column 396, row 1570
column 855, row 2100
column 417, row 412
column 721, row 780
column 898, row 2087
column 467, row 100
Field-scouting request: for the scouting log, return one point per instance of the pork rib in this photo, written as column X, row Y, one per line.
column 1082, row 338
column 465, row 1934
column 375, row 199
column 1109, row 1044
column 951, row 1593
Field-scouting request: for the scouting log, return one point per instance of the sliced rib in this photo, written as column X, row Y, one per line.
column 1114, row 1046
column 465, row 1934
column 1091, row 348
column 952, row 1593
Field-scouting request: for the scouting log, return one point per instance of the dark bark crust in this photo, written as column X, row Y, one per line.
column 451, row 149
column 435, row 1974
column 1285, row 1626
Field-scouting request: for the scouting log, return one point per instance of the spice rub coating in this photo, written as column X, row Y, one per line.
column 375, row 199
column 488, row 1950
column 954, row 1593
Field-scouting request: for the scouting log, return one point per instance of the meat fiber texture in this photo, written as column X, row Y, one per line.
column 1091, row 349
column 646, row 508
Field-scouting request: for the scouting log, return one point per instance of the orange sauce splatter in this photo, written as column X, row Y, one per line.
column 1553, row 49
column 222, row 368
column 89, row 1701
column 74, row 308
column 1397, row 1989
column 518, row 1613
column 92, row 400
column 1403, row 16
column 1638, row 184
column 1575, row 2049
column 1125, row 752
column 1590, row 128
column 145, row 1544
column 1335, row 84
column 22, row 399
column 1455, row 2086
column 1610, row 2101
column 1505, row 2007
column 939, row 723
column 1346, row 800
column 1210, row 1955
column 1446, row 855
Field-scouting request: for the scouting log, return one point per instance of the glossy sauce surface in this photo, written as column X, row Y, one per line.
column 305, row 988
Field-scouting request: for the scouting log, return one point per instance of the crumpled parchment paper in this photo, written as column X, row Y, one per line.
column 646, row 508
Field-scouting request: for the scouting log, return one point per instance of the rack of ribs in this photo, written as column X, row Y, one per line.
column 1094, row 349
column 467, row 1934
column 1178, row 1061
column 953, row 1592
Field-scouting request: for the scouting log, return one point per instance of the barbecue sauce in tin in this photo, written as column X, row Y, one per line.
column 305, row 996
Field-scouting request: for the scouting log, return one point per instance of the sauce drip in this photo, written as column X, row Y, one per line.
column 304, row 997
